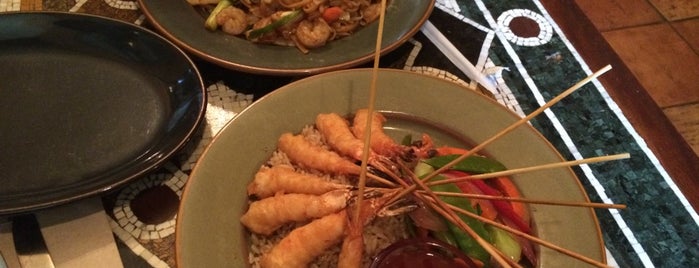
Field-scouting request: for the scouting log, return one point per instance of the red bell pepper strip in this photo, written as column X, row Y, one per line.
column 447, row 150
column 503, row 207
column 509, row 189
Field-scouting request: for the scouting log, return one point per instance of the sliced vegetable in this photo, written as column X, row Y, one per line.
column 286, row 18
column 503, row 241
column 508, row 188
column 487, row 209
column 332, row 14
column 447, row 150
column 503, row 207
column 524, row 243
column 465, row 242
column 210, row 23
column 471, row 164
column 445, row 236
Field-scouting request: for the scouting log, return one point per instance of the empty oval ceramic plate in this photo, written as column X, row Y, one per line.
column 87, row 104
column 209, row 233
column 184, row 25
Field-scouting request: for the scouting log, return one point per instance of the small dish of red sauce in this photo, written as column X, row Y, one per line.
column 421, row 253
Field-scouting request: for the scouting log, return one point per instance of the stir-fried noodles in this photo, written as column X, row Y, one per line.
column 305, row 24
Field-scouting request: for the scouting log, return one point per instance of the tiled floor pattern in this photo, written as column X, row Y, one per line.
column 659, row 41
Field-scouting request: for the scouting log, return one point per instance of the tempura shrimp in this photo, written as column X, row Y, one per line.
column 283, row 179
column 305, row 243
column 232, row 20
column 305, row 154
column 313, row 34
column 338, row 135
column 267, row 215
column 381, row 143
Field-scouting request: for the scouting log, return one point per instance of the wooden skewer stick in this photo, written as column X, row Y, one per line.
column 411, row 188
column 509, row 128
column 532, row 168
column 532, row 201
column 520, row 122
column 370, row 108
column 518, row 232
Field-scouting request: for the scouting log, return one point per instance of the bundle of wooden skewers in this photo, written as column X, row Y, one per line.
column 420, row 188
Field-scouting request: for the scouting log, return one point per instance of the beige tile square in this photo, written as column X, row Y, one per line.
column 677, row 9
column 615, row 14
column 661, row 60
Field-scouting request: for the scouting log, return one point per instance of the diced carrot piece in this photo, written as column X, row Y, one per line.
column 448, row 150
column 331, row 14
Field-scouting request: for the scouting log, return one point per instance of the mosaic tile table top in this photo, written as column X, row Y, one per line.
column 528, row 61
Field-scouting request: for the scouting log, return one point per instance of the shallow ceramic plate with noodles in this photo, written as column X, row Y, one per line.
column 180, row 22
column 209, row 233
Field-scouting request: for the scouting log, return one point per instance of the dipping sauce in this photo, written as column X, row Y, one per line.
column 421, row 253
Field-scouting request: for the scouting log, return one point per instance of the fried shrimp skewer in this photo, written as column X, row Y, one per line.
column 303, row 244
column 307, row 155
column 336, row 131
column 338, row 135
column 380, row 142
column 284, row 179
column 267, row 215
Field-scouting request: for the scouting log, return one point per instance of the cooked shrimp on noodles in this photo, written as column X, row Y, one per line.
column 306, row 24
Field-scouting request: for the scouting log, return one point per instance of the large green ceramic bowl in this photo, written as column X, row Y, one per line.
column 208, row 230
column 181, row 23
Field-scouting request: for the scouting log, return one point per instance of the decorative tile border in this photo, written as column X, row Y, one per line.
column 545, row 28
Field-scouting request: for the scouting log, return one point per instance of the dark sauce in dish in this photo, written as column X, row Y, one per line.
column 421, row 253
